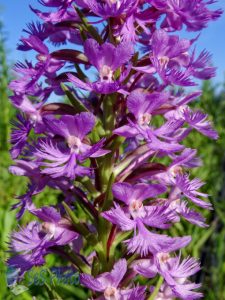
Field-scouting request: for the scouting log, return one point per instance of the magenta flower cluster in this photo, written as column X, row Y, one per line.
column 113, row 148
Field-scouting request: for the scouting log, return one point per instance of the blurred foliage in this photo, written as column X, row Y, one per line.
column 207, row 244
column 6, row 110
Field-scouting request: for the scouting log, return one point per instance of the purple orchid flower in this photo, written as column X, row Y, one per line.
column 174, row 64
column 33, row 242
column 106, row 58
column 135, row 211
column 108, row 284
column 135, row 215
column 143, row 107
column 188, row 188
column 64, row 11
column 110, row 8
column 57, row 35
column 58, row 228
column 38, row 181
column 195, row 15
column 198, row 120
column 31, row 110
column 32, row 245
column 64, row 157
column 46, row 64
column 146, row 242
column 174, row 272
column 20, row 132
column 187, row 159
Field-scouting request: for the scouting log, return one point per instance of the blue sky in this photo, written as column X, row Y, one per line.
column 16, row 13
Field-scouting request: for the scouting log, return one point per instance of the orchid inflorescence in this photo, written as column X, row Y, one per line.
column 114, row 147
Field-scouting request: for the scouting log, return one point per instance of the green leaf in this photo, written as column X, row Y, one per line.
column 89, row 28
column 75, row 220
column 77, row 104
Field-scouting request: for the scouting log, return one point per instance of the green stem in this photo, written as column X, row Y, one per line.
column 104, row 228
column 108, row 112
column 157, row 288
column 119, row 238
column 79, row 263
column 89, row 28
column 79, row 227
column 52, row 293
column 108, row 195
column 77, row 104
column 89, row 186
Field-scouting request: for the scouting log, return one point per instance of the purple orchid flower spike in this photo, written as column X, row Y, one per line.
column 108, row 283
column 106, row 58
column 115, row 149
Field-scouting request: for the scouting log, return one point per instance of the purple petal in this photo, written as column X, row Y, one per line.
column 92, row 283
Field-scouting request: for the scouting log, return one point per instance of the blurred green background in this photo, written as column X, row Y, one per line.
column 208, row 244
